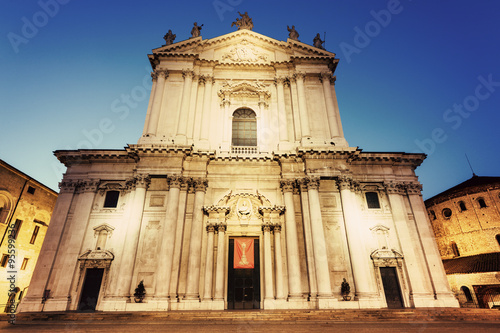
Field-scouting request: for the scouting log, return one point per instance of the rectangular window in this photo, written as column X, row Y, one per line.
column 24, row 264
column 15, row 229
column 35, row 233
column 111, row 200
column 372, row 200
column 5, row 260
column 31, row 190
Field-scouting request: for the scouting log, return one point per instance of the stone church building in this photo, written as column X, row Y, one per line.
column 242, row 193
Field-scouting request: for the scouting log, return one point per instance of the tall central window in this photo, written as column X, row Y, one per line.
column 244, row 128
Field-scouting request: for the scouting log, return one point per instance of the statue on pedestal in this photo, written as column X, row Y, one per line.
column 169, row 38
column 195, row 32
column 245, row 22
column 317, row 42
column 293, row 33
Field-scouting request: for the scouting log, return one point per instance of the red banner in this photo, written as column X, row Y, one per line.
column 243, row 253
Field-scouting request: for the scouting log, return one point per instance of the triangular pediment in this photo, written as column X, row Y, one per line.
column 242, row 47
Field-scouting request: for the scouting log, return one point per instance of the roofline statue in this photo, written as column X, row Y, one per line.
column 293, row 34
column 245, row 22
column 169, row 38
column 317, row 42
column 195, row 32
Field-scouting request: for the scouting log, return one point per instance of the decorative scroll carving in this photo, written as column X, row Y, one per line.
column 325, row 76
column 162, row 73
column 154, row 76
column 96, row 259
column 176, row 181
column 187, row 73
column 112, row 185
column 211, row 227
column 252, row 89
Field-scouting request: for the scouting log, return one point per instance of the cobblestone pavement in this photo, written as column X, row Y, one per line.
column 198, row 327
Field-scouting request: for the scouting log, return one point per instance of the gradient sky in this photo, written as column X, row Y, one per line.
column 413, row 76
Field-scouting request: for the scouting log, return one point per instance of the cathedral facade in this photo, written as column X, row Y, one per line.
column 242, row 193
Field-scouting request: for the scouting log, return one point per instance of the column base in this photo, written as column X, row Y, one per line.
column 447, row 300
column 31, row 304
column 56, row 304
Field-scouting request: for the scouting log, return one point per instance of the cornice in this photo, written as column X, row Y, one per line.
column 83, row 156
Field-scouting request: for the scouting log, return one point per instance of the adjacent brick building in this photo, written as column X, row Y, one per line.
column 466, row 222
column 25, row 209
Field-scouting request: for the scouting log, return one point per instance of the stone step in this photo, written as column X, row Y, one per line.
column 434, row 314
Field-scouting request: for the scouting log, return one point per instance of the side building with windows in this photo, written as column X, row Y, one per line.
column 242, row 193
column 466, row 223
column 26, row 207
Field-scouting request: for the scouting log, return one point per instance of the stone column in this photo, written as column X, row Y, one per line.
column 226, row 124
column 429, row 245
column 165, row 255
column 268, row 265
column 318, row 240
column 292, row 243
column 304, row 115
column 179, row 232
column 180, row 138
column 360, row 262
column 282, row 123
column 154, row 77
column 207, row 295
column 306, row 221
column 417, row 273
column 53, row 239
column 330, row 107
column 295, row 109
column 336, row 105
column 193, row 272
column 141, row 183
column 221, row 254
column 207, row 104
column 71, row 245
column 157, row 101
column 278, row 262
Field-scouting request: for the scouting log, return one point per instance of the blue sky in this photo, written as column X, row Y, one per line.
column 413, row 75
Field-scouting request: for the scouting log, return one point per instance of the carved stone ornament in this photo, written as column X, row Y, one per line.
column 245, row 22
column 248, row 89
column 413, row 188
column 287, row 185
column 169, row 38
column 96, row 259
column 68, row 186
column 112, row 185
column 387, row 258
column 394, row 187
column 244, row 52
column 89, row 185
column 244, row 208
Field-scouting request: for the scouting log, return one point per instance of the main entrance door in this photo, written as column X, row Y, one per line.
column 391, row 287
column 243, row 285
column 90, row 289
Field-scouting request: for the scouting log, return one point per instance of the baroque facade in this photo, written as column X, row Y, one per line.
column 466, row 223
column 241, row 193
column 25, row 209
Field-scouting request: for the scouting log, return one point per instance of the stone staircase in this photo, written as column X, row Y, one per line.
column 274, row 316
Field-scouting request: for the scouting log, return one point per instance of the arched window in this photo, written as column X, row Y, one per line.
column 481, row 203
column 433, row 214
column 244, row 128
column 462, row 206
column 454, row 248
column 372, row 200
column 466, row 291
column 498, row 238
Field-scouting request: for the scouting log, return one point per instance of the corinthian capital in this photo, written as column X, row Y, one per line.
column 175, row 181
column 162, row 73
column 279, row 80
column 154, row 76
column 299, row 76
column 142, row 180
column 414, row 188
column 325, row 76
column 187, row 73
column 312, row 183
column 344, row 183
column 287, row 185
column 68, row 186
column 200, row 184
column 394, row 187
column 89, row 185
